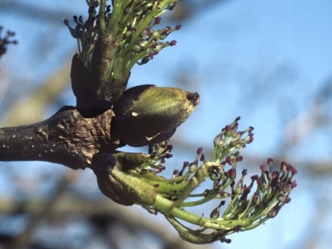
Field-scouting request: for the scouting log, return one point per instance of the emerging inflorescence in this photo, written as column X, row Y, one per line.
column 240, row 207
column 118, row 36
column 130, row 23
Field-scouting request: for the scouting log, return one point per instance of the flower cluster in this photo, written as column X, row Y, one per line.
column 240, row 207
column 113, row 39
column 4, row 41
column 130, row 23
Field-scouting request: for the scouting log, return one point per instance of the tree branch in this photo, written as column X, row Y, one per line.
column 66, row 138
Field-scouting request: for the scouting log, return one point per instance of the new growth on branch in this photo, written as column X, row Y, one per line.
column 107, row 116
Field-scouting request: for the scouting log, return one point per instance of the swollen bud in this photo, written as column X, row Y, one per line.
column 148, row 114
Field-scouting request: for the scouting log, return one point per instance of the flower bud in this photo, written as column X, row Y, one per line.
column 215, row 213
column 213, row 176
column 238, row 188
column 231, row 173
column 193, row 167
column 148, row 114
column 256, row 200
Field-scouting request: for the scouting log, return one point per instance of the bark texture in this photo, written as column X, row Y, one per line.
column 66, row 138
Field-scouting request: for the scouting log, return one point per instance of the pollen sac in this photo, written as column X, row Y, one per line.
column 148, row 114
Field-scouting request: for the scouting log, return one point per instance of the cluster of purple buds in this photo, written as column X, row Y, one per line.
column 242, row 204
column 136, row 39
column 150, row 41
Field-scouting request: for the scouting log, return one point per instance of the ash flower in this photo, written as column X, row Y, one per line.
column 133, row 36
column 241, row 207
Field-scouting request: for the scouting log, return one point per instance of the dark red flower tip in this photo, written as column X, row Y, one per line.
column 294, row 184
column 178, row 27
column 228, row 160
column 283, row 166
column 251, row 138
column 228, row 128
column 185, row 164
column 259, row 180
column 157, row 20
column 294, row 171
column 254, row 177
column 168, row 155
column 237, row 228
column 169, row 147
column 275, row 175
column 153, row 155
column 263, row 167
column 287, row 199
column 246, row 190
column 231, row 173
column 153, row 53
column 167, row 29
column 172, row 43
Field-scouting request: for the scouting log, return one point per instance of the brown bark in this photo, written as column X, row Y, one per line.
column 66, row 138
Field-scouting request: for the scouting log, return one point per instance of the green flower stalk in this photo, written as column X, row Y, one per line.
column 133, row 178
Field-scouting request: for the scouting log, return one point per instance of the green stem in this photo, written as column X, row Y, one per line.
column 102, row 15
column 164, row 186
column 200, row 176
column 229, row 212
column 199, row 202
column 167, row 207
column 117, row 14
column 207, row 198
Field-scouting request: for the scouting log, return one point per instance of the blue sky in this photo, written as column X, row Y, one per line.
column 283, row 48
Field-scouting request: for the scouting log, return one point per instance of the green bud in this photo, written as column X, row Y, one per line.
column 138, row 48
column 138, row 191
column 148, row 114
column 193, row 167
column 118, row 184
column 215, row 213
column 256, row 199
column 238, row 188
